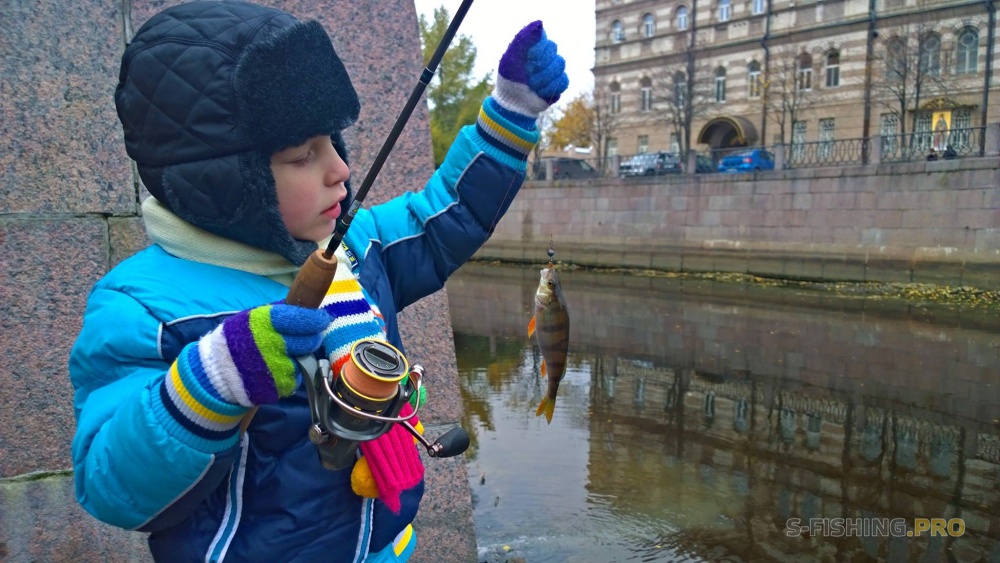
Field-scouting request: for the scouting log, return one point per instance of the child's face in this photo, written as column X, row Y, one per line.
column 310, row 183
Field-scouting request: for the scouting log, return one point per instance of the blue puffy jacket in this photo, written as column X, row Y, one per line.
column 265, row 497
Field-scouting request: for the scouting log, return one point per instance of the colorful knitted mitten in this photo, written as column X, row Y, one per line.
column 245, row 361
column 391, row 459
column 392, row 462
column 532, row 74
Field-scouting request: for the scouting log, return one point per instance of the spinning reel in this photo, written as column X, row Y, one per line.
column 364, row 400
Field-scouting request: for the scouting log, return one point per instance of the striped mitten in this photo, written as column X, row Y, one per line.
column 532, row 74
column 246, row 361
column 532, row 77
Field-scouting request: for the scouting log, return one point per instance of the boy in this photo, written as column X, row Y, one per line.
column 233, row 113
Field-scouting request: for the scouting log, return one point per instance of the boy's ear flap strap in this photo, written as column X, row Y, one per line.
column 292, row 86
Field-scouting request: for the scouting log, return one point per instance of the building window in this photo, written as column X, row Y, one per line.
column 805, row 72
column 889, row 130
column 614, row 98
column 930, row 54
column 643, row 144
column 617, row 32
column 758, row 7
column 675, row 143
column 922, row 132
column 610, row 149
column 826, row 127
column 753, row 79
column 648, row 25
column 967, row 52
column 682, row 18
column 961, row 136
column 720, row 84
column 724, row 10
column 798, row 140
column 832, row 69
column 646, row 95
column 680, row 89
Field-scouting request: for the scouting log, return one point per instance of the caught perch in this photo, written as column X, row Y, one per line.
column 550, row 327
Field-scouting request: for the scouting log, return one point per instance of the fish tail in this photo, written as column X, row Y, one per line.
column 548, row 406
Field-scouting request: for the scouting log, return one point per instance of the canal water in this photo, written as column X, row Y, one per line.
column 697, row 418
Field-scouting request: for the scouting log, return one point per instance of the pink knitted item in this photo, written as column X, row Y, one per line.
column 394, row 462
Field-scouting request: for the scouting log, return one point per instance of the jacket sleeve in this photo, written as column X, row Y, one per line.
column 135, row 466
column 425, row 236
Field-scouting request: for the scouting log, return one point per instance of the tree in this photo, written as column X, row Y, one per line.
column 680, row 101
column 789, row 90
column 546, row 121
column 908, row 69
column 607, row 119
column 454, row 95
column 590, row 119
column 574, row 125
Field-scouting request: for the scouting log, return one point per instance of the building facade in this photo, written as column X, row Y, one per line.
column 713, row 75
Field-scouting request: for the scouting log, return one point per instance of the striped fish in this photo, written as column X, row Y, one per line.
column 550, row 327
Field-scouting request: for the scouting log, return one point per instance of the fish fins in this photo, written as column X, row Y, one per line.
column 547, row 407
column 543, row 368
column 531, row 327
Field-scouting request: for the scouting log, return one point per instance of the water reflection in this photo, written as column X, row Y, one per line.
column 696, row 419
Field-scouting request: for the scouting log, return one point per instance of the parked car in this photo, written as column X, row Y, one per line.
column 703, row 164
column 747, row 161
column 650, row 164
column 565, row 168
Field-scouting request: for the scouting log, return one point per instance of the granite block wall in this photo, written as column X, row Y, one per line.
column 926, row 222
column 69, row 211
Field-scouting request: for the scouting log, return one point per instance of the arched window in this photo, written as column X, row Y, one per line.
column 615, row 98
column 682, row 18
column 680, row 88
column 648, row 25
column 720, row 85
column 753, row 79
column 724, row 10
column 645, row 94
column 805, row 72
column 617, row 32
column 930, row 54
column 967, row 51
column 833, row 69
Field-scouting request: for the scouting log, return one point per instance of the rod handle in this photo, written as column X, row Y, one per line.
column 313, row 280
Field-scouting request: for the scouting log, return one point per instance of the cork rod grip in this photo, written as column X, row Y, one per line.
column 313, row 280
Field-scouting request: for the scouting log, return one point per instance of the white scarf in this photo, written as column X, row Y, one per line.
column 184, row 240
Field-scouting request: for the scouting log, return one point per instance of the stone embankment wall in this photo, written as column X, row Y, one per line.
column 926, row 222
column 69, row 211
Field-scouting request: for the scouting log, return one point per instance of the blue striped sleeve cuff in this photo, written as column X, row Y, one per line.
column 507, row 141
column 192, row 413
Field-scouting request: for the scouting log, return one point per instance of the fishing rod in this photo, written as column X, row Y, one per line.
column 314, row 277
column 366, row 399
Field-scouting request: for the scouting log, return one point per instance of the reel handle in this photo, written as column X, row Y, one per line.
column 452, row 443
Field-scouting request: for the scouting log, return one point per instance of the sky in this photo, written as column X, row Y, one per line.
column 491, row 24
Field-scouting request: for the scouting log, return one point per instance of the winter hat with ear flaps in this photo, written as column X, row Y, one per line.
column 208, row 91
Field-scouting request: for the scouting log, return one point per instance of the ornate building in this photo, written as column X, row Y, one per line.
column 717, row 74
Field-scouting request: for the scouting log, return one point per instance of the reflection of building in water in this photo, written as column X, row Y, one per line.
column 752, row 406
column 737, row 457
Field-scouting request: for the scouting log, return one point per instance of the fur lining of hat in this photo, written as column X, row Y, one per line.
column 291, row 86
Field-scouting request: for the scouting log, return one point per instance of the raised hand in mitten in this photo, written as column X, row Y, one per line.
column 532, row 73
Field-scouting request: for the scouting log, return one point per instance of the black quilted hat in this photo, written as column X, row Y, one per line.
column 208, row 91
